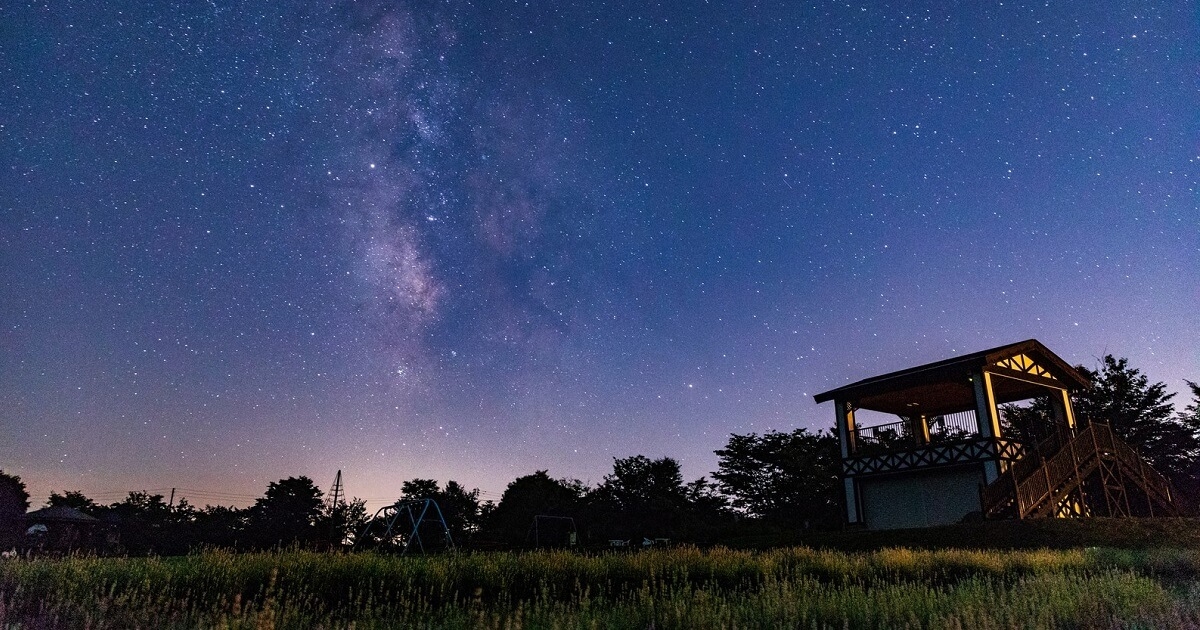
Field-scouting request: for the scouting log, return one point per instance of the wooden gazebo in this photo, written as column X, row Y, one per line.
column 62, row 529
column 947, row 457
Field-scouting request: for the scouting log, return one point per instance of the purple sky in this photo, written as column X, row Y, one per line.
column 470, row 241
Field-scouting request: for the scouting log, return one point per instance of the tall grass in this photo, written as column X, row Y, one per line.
column 685, row 588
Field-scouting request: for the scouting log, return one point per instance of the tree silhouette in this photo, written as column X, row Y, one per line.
column 1188, row 482
column 644, row 498
column 782, row 477
column 1030, row 422
column 342, row 522
column 459, row 506
column 419, row 489
column 142, row 520
column 530, row 496
column 1140, row 413
column 638, row 482
column 1190, row 416
column 14, row 501
column 288, row 513
column 221, row 526
column 76, row 500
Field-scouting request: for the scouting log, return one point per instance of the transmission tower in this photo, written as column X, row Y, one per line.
column 337, row 494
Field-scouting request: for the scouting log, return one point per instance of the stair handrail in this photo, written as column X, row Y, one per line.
column 1045, row 473
column 1055, row 470
column 1099, row 439
column 1129, row 458
column 1006, row 486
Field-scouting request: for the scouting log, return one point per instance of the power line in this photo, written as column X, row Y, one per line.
column 220, row 495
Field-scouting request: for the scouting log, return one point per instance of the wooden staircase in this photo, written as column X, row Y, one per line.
column 1090, row 473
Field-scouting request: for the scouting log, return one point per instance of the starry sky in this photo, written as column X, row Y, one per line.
column 246, row 241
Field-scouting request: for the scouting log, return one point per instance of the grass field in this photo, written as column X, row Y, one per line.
column 673, row 588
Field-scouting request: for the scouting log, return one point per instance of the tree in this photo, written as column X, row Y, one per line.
column 1189, row 481
column 459, row 506
column 1139, row 413
column 14, row 501
column 142, row 520
column 288, row 513
column 1190, row 416
column 530, row 496
column 704, row 496
column 342, row 522
column 142, row 504
column 641, row 483
column 707, row 516
column 419, row 489
column 76, row 500
column 221, row 526
column 782, row 477
column 461, row 509
column 642, row 498
column 1028, row 423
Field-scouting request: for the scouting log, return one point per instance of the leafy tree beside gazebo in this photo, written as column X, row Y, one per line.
column 1139, row 412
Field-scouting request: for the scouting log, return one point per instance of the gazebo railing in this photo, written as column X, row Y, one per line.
column 900, row 434
column 953, row 426
column 882, row 437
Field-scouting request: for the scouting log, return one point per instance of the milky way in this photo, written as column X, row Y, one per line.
column 456, row 197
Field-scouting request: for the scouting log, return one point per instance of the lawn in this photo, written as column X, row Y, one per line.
column 670, row 588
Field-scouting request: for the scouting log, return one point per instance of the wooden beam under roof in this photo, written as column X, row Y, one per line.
column 945, row 386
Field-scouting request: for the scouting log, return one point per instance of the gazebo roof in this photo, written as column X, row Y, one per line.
column 59, row 514
column 1027, row 368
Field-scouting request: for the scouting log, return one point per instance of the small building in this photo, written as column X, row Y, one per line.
column 63, row 529
column 943, row 456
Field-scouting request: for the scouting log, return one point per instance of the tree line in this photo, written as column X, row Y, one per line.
column 776, row 480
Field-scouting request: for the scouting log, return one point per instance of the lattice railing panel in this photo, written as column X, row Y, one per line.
column 962, row 452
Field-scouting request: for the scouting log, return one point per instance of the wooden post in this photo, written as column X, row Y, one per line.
column 1017, row 495
column 847, row 436
column 1049, row 485
column 985, row 413
column 1068, row 413
column 845, row 427
column 921, row 429
column 1146, row 486
column 851, row 491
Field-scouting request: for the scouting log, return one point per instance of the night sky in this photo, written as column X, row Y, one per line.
column 241, row 242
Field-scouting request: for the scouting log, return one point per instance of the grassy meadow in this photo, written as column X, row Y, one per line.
column 670, row 588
